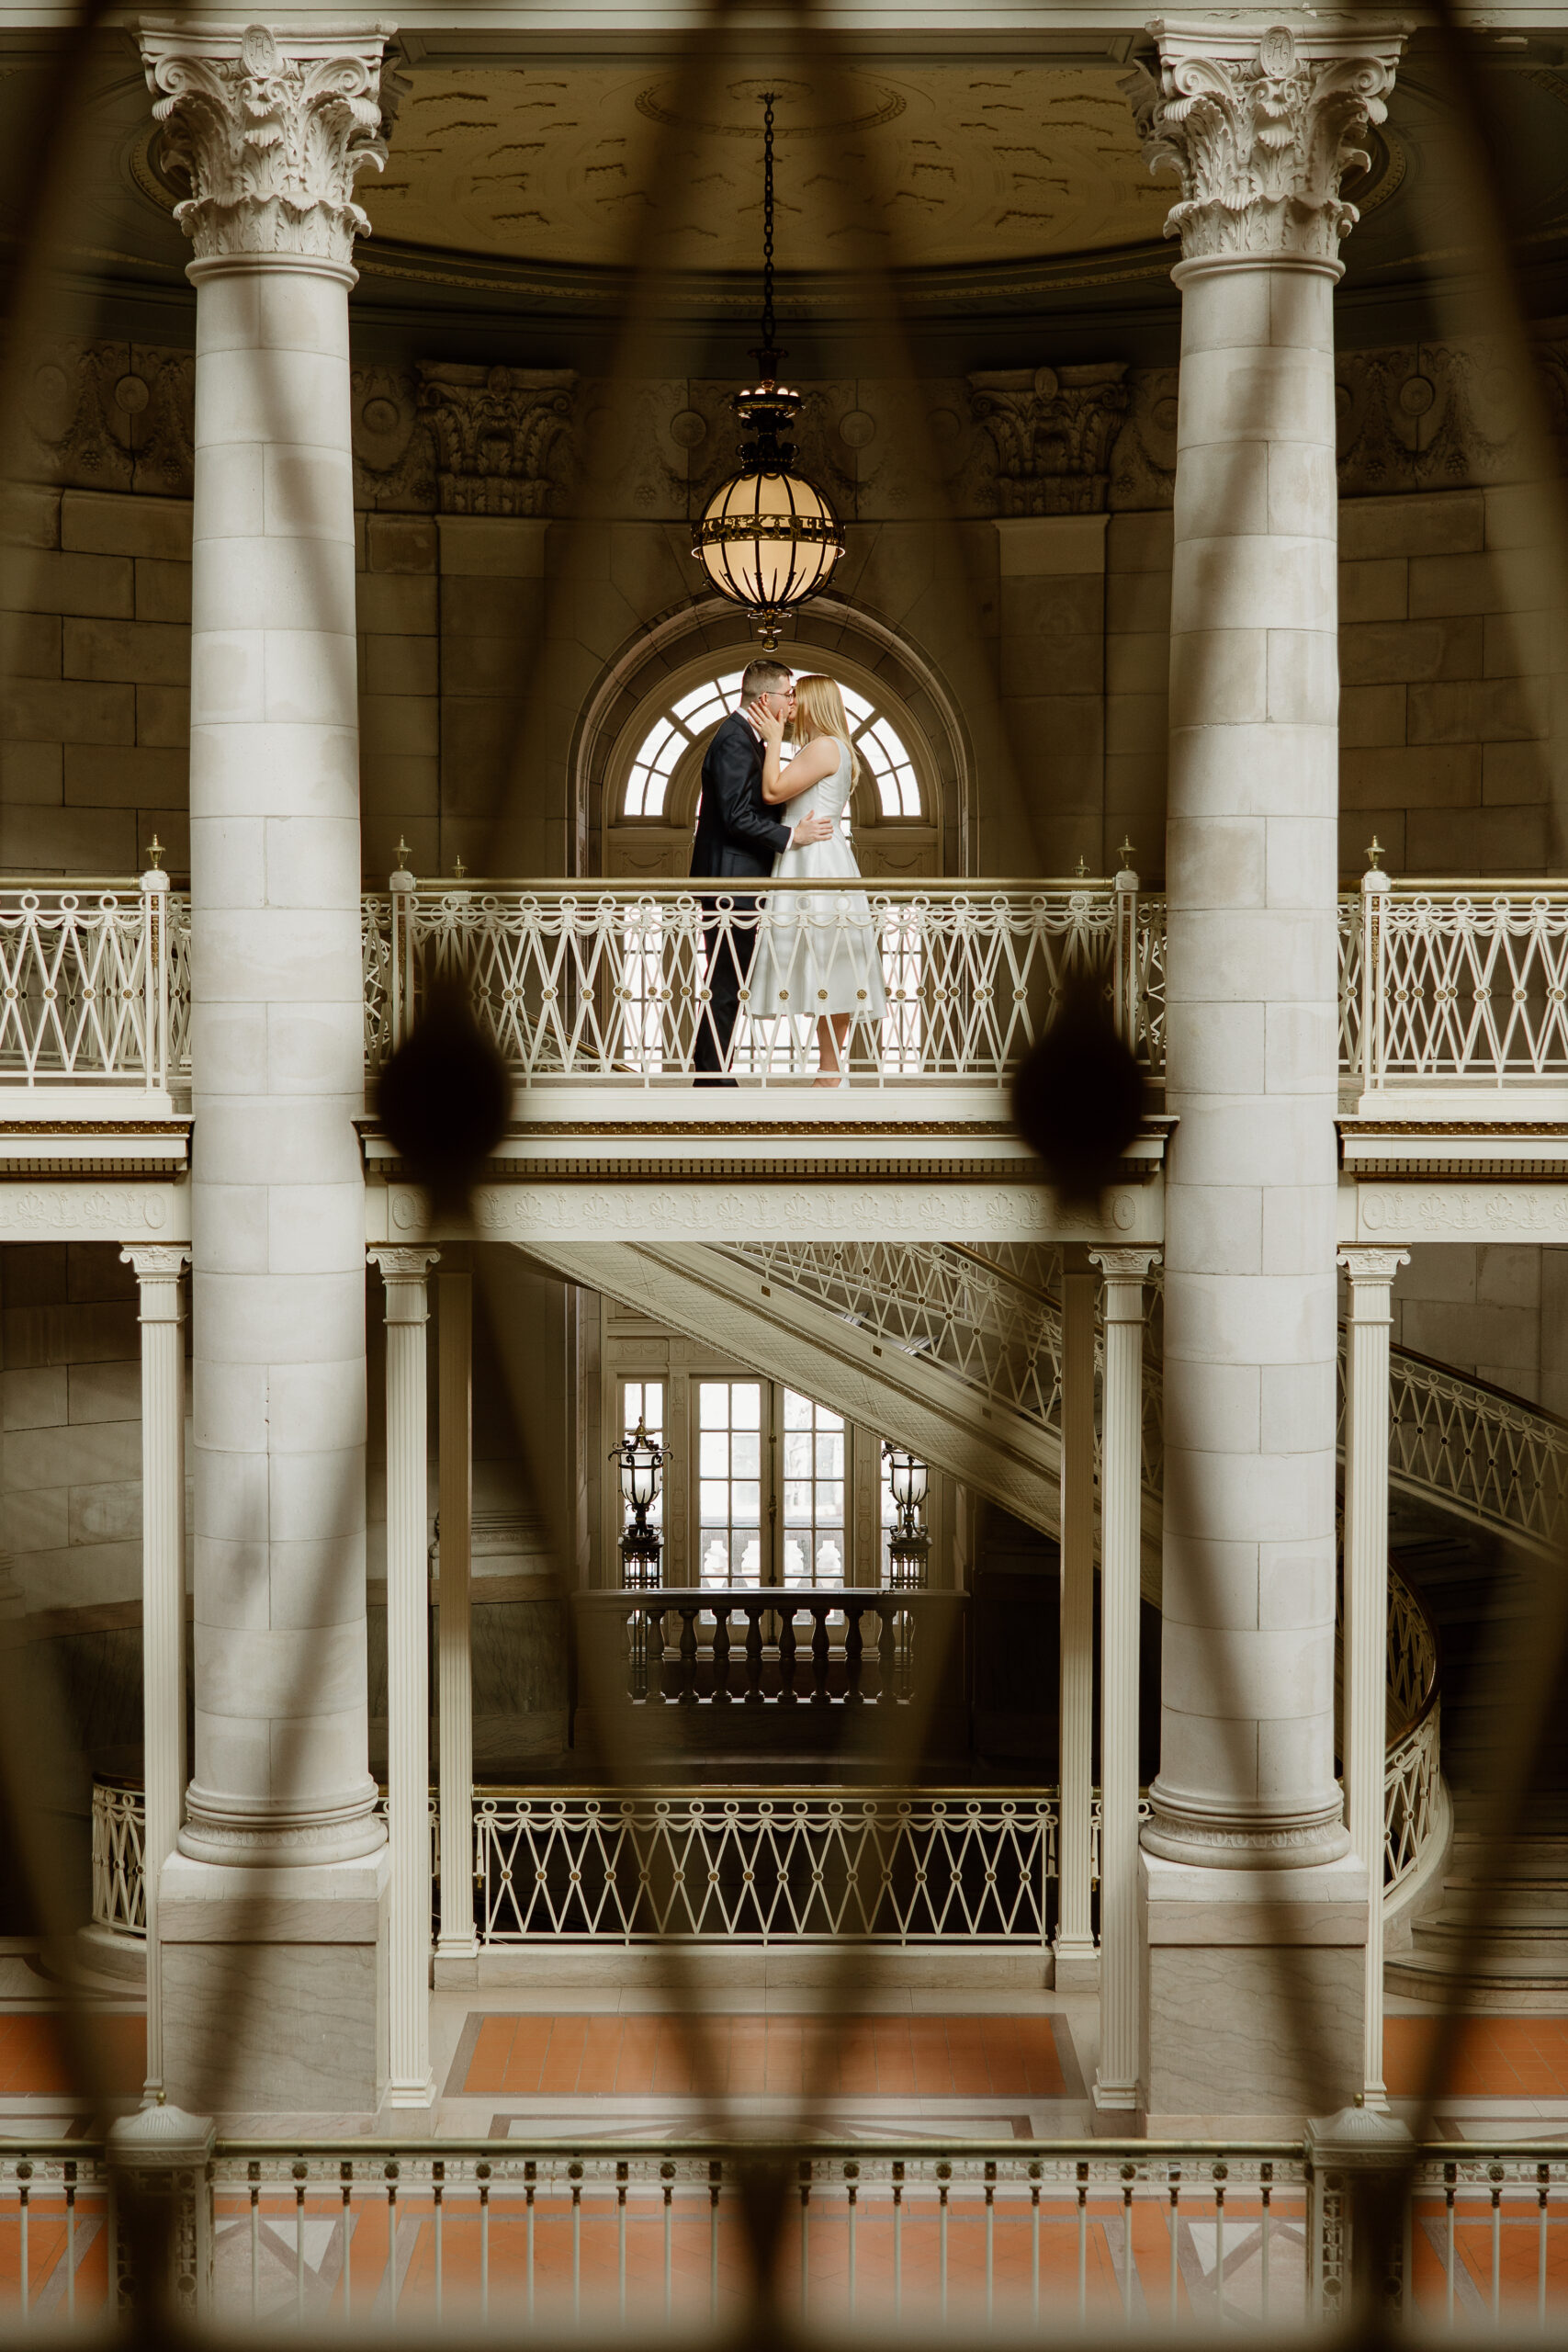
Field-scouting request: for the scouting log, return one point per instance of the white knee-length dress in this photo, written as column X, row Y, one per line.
column 817, row 951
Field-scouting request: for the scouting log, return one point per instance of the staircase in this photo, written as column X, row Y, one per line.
column 1476, row 1590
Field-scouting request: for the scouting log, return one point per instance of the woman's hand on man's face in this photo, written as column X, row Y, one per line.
column 765, row 720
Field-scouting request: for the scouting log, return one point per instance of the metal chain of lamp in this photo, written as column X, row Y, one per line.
column 768, row 539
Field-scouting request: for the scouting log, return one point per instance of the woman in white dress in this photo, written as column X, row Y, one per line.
column 818, row 952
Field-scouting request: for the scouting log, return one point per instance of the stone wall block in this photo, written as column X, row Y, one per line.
column 1445, row 584
column 1479, row 710
column 163, row 717
column 1377, row 590
column 402, row 665
column 1446, row 777
column 163, row 591
column 1444, row 523
column 82, row 584
column 109, row 523
column 1513, row 775
column 68, row 711
column 123, row 775
column 1399, row 654
column 31, row 645
column 142, row 651
column 45, row 840
column 1370, row 716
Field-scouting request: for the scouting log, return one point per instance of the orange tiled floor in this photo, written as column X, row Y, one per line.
column 913, row 2057
column 33, row 2062
column 1501, row 2057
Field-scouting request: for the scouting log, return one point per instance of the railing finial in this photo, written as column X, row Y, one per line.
column 1081, row 873
column 1127, row 851
column 155, row 854
column 1374, row 850
column 460, row 870
column 402, row 853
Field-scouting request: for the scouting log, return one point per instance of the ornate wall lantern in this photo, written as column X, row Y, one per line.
column 769, row 538
column 908, row 1546
column 641, row 1465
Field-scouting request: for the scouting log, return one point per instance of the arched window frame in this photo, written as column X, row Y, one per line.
column 688, row 719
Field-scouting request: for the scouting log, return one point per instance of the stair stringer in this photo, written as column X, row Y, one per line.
column 782, row 1335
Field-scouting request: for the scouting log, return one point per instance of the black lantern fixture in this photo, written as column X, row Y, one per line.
column 909, row 1551
column 769, row 538
column 641, row 1465
column 908, row 1546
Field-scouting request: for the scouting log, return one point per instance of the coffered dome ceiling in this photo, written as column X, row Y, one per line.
column 948, row 167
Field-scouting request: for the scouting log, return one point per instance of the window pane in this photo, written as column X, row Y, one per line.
column 814, row 1494
column 909, row 792
column 636, row 791
column 883, row 734
column 729, row 1459
column 654, row 796
column 856, row 705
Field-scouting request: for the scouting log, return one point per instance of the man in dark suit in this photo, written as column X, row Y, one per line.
column 738, row 839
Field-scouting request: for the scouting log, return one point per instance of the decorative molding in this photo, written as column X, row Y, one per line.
column 1366, row 1266
column 1054, row 431
column 69, row 1210
column 494, row 431
column 107, row 416
column 1468, row 1212
column 1260, row 130
column 271, row 136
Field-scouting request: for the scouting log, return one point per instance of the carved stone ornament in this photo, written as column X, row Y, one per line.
column 494, row 429
column 1054, row 429
column 1261, row 129
column 271, row 134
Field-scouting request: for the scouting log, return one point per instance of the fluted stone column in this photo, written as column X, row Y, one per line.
column 159, row 1270
column 1077, row 1964
column 1372, row 1274
column 1260, row 125
column 1120, row 1588
column 410, row 2082
column 272, row 129
column 455, row 1420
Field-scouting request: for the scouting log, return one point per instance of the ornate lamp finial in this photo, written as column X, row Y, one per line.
column 1081, row 872
column 402, row 853
column 1127, row 851
column 458, row 870
column 1374, row 852
column 155, row 855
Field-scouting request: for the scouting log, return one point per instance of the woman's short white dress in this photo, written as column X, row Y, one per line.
column 817, row 952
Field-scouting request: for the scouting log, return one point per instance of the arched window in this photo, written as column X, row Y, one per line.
column 687, row 723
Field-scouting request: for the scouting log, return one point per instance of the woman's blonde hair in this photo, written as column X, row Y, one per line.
column 819, row 710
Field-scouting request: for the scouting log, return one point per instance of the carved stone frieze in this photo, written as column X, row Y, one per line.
column 494, row 431
column 271, row 134
column 1261, row 129
column 108, row 416
column 394, row 455
column 1054, row 428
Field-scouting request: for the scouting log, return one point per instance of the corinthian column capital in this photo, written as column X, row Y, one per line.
column 1259, row 128
column 272, row 129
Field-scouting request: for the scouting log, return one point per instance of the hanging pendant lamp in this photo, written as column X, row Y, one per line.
column 768, row 539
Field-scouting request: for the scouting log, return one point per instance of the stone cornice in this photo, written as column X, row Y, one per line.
column 1259, row 128
column 271, row 132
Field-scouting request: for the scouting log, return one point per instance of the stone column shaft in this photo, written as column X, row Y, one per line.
column 1372, row 1274
column 455, row 1416
column 1121, row 1586
column 1075, row 1963
column 271, row 128
column 159, row 1271
column 1259, row 122
column 410, row 2082
column 271, row 132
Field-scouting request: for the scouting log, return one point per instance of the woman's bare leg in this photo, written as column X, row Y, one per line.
column 832, row 1048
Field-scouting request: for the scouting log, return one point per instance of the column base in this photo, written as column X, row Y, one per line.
column 275, row 1986
column 1252, row 1992
column 403, row 2095
column 1114, row 2112
column 1075, row 1967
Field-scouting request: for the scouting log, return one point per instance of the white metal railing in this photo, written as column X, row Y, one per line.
column 1455, row 982
column 1478, row 1450
column 88, row 984
column 609, row 980
column 1443, row 984
column 120, row 1884
column 367, row 2238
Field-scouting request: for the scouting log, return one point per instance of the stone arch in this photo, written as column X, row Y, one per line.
column 696, row 640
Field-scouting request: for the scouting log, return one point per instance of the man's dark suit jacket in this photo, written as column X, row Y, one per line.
column 735, row 834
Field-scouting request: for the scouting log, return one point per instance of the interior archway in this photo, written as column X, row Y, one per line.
column 911, row 809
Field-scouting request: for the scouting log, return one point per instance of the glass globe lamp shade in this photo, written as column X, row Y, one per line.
column 907, row 1475
column 641, row 1462
column 767, row 541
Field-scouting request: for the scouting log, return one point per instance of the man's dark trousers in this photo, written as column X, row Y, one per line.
column 730, row 948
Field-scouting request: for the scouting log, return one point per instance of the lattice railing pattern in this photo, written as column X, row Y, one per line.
column 749, row 1867
column 1469, row 983
column 84, row 986
column 119, row 1884
column 1411, row 1783
column 1412, row 1656
column 609, row 980
column 1459, row 1442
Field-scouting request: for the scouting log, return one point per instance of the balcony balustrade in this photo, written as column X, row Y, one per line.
column 1443, row 985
